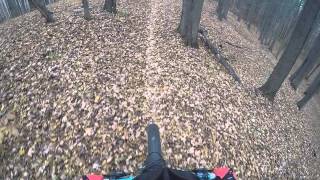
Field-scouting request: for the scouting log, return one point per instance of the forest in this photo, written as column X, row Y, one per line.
column 229, row 82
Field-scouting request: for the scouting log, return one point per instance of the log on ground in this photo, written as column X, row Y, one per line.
column 215, row 51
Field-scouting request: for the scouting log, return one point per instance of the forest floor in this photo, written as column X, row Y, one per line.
column 76, row 96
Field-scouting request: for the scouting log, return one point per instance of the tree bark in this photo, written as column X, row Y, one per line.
column 4, row 10
column 313, row 71
column 251, row 13
column 243, row 8
column 40, row 5
column 110, row 6
column 14, row 8
column 190, row 21
column 223, row 9
column 292, row 51
column 312, row 90
column 219, row 9
column 86, row 9
column 307, row 65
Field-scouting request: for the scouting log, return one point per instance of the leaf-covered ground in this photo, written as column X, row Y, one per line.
column 76, row 96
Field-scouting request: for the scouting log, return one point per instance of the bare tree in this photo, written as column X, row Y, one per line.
column 310, row 92
column 292, row 51
column 307, row 65
column 14, row 7
column 86, row 9
column 41, row 6
column 4, row 10
column 223, row 9
column 313, row 70
column 110, row 6
column 190, row 21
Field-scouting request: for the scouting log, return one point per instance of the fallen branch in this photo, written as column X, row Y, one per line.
column 215, row 51
column 234, row 45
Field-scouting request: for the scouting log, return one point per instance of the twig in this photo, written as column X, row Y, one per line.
column 233, row 44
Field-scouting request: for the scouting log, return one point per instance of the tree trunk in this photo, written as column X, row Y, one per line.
column 40, row 5
column 110, row 6
column 4, row 10
column 238, row 10
column 86, row 9
column 274, row 38
column 14, row 8
column 190, row 21
column 226, row 8
column 313, row 70
column 219, row 9
column 312, row 90
column 292, row 51
column 307, row 65
column 251, row 13
column 223, row 9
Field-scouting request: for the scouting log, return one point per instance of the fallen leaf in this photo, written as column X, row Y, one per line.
column 31, row 151
column 22, row 151
column 88, row 132
column 97, row 99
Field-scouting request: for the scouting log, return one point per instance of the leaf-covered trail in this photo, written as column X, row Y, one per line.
column 152, row 71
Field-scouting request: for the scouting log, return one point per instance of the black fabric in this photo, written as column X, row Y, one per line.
column 229, row 175
column 166, row 174
column 84, row 178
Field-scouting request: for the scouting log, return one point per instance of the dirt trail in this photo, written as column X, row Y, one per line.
column 151, row 71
